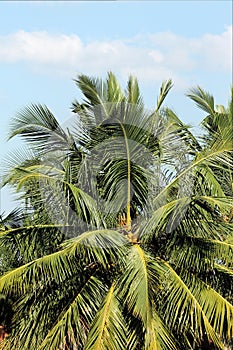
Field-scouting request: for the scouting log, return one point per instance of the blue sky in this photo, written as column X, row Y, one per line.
column 44, row 45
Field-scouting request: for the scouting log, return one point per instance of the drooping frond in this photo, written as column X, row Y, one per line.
column 71, row 327
column 183, row 310
column 203, row 99
column 158, row 337
column 90, row 247
column 134, row 287
column 50, row 188
column 217, row 309
column 93, row 89
column 37, row 125
column 137, row 287
column 29, row 242
column 198, row 254
column 109, row 329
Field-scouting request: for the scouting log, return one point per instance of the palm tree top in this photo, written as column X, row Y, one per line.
column 125, row 241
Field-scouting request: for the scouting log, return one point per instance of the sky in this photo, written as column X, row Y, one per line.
column 44, row 45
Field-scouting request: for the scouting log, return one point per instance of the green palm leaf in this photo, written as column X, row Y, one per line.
column 137, row 287
column 182, row 308
column 109, row 329
column 98, row 247
column 38, row 126
column 71, row 323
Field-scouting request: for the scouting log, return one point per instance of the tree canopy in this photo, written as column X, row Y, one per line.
column 125, row 240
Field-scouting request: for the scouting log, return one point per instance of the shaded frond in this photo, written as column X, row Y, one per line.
column 72, row 325
column 90, row 247
column 181, row 308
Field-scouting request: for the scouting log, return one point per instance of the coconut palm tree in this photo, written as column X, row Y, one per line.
column 213, row 124
column 131, row 211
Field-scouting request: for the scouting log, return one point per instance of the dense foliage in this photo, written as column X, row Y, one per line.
column 126, row 239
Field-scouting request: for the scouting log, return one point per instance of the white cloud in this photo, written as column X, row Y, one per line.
column 151, row 57
column 40, row 47
column 208, row 52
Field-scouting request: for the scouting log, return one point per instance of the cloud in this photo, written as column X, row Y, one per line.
column 152, row 57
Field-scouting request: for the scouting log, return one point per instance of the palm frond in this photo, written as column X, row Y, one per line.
column 164, row 90
column 133, row 92
column 115, row 93
column 217, row 309
column 109, row 329
column 137, row 286
column 71, row 327
column 95, row 92
column 12, row 220
column 37, row 125
column 218, row 156
column 198, row 254
column 203, row 99
column 158, row 337
column 183, row 310
column 96, row 247
column 51, row 190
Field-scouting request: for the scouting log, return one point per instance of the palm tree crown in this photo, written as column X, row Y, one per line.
column 126, row 240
